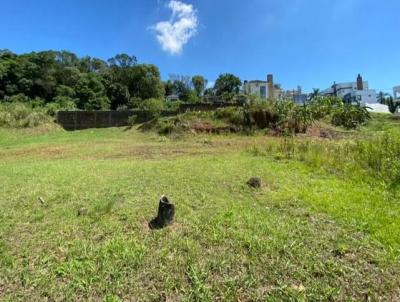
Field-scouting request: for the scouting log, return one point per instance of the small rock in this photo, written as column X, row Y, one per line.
column 254, row 182
column 83, row 212
column 299, row 288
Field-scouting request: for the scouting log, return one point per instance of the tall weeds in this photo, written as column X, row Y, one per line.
column 20, row 115
column 375, row 159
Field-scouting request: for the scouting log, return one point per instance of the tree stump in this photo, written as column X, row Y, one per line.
column 254, row 182
column 165, row 216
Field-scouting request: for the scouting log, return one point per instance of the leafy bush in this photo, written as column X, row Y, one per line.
column 165, row 126
column 60, row 103
column 350, row 116
column 284, row 116
column 21, row 115
column 169, row 125
column 18, row 98
column 192, row 121
column 153, row 106
column 147, row 110
column 97, row 103
column 232, row 115
column 261, row 118
column 174, row 106
column 321, row 107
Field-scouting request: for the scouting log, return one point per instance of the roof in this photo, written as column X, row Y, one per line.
column 256, row 82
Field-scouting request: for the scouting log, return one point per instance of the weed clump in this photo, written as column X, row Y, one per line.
column 283, row 117
column 20, row 115
column 374, row 158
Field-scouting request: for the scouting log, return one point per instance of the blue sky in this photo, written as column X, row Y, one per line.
column 302, row 42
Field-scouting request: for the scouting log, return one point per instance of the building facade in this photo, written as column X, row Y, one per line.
column 256, row 87
column 396, row 92
column 266, row 90
column 353, row 92
column 296, row 95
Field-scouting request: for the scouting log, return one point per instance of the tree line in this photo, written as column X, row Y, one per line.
column 70, row 82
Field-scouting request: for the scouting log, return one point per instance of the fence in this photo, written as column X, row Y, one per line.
column 79, row 120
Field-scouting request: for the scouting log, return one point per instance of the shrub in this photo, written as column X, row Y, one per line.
column 165, row 126
column 60, row 103
column 232, row 115
column 18, row 98
column 299, row 118
column 122, row 107
column 262, row 118
column 174, row 106
column 21, row 115
column 147, row 110
column 285, row 116
column 321, row 107
column 350, row 116
column 153, row 106
column 97, row 103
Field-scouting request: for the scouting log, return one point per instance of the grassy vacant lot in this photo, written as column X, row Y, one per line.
column 308, row 234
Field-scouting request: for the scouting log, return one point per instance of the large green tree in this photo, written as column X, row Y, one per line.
column 90, row 82
column 144, row 82
column 199, row 84
column 227, row 84
column 122, row 60
column 91, row 93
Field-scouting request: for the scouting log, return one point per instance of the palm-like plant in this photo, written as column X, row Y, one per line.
column 316, row 93
column 383, row 97
column 392, row 105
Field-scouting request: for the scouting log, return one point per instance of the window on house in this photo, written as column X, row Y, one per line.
column 263, row 92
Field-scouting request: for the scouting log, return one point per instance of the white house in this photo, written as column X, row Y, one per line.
column 263, row 89
column 353, row 92
column 172, row 98
column 256, row 87
column 396, row 92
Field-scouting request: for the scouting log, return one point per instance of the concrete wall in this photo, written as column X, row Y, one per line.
column 78, row 120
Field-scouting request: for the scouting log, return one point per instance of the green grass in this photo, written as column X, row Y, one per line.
column 308, row 235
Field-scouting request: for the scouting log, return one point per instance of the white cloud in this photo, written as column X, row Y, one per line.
column 175, row 33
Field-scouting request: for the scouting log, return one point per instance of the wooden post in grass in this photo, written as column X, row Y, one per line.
column 165, row 216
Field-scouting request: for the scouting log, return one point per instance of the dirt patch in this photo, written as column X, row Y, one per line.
column 145, row 228
column 324, row 133
column 46, row 152
column 201, row 127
